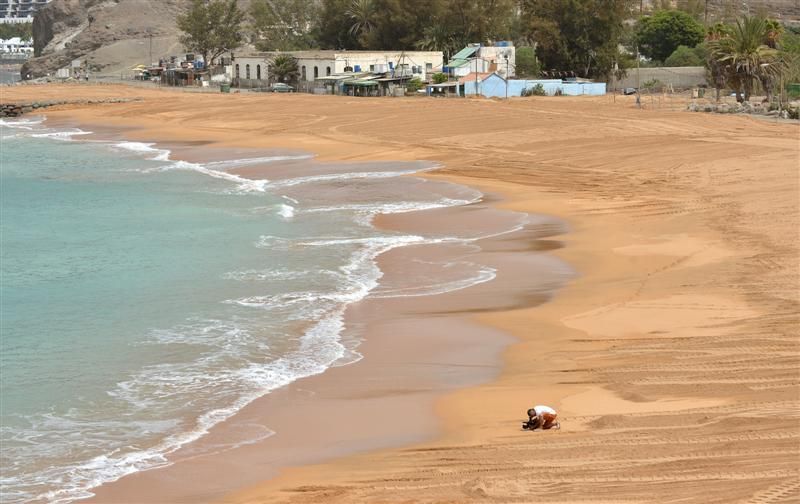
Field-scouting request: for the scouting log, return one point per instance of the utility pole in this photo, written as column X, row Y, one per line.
column 638, row 85
column 150, row 63
column 506, row 56
column 477, row 92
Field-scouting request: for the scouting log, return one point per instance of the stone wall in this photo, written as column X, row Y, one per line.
column 18, row 109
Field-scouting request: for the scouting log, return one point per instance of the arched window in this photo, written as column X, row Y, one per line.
column 258, row 72
column 328, row 71
column 316, row 72
column 303, row 72
column 247, row 71
column 237, row 70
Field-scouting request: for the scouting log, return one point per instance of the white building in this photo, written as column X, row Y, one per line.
column 16, row 45
column 476, row 58
column 20, row 11
column 315, row 64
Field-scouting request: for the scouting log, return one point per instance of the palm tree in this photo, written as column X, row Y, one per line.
column 745, row 57
column 362, row 12
column 283, row 68
column 437, row 37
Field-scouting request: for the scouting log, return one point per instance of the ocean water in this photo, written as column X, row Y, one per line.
column 144, row 299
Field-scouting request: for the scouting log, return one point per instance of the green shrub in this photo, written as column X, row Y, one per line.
column 684, row 56
column 653, row 84
column 537, row 90
column 439, row 78
column 414, row 85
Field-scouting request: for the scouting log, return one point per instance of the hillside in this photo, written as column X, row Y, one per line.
column 112, row 35
column 115, row 35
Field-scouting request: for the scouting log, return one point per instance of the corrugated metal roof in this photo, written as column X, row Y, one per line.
column 465, row 53
column 471, row 77
column 457, row 63
column 362, row 83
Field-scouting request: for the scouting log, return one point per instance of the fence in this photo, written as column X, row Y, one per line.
column 677, row 77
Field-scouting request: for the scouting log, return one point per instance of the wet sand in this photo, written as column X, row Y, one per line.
column 672, row 356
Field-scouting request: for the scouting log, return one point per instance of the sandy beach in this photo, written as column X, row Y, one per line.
column 666, row 334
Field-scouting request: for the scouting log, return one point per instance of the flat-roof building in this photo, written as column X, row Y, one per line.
column 20, row 11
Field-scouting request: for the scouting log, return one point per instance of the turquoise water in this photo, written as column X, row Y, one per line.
column 143, row 300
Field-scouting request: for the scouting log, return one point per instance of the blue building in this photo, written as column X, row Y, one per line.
column 495, row 86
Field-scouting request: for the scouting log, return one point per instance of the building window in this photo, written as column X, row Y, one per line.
column 237, row 70
column 428, row 67
column 303, row 72
column 372, row 68
column 247, row 71
column 316, row 72
column 328, row 71
column 258, row 72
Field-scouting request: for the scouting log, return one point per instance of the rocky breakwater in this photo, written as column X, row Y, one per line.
column 789, row 111
column 20, row 108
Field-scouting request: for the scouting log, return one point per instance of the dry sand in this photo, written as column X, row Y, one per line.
column 673, row 356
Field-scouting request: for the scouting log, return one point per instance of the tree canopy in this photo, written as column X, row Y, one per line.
column 21, row 30
column 527, row 65
column 662, row 33
column 211, row 28
column 744, row 57
column 282, row 25
column 576, row 35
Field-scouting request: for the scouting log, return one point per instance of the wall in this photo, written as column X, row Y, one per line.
column 410, row 58
column 322, row 65
column 495, row 87
column 679, row 77
column 243, row 61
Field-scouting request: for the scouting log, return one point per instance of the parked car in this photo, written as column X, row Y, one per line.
column 629, row 91
column 281, row 87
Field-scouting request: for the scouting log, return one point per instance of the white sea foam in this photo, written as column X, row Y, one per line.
column 483, row 275
column 61, row 135
column 27, row 123
column 275, row 274
column 286, row 211
column 244, row 185
column 234, row 163
column 339, row 176
column 153, row 153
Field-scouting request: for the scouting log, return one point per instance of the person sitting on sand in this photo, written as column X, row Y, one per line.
column 542, row 416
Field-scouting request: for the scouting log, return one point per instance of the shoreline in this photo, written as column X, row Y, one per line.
column 365, row 411
column 684, row 312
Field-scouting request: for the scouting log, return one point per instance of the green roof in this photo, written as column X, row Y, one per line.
column 457, row 62
column 465, row 53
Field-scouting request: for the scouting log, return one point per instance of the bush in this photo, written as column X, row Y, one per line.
column 683, row 56
column 537, row 90
column 439, row 78
column 414, row 85
column 653, row 84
